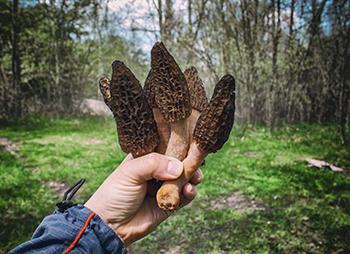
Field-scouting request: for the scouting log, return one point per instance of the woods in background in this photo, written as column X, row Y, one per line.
column 51, row 58
column 290, row 58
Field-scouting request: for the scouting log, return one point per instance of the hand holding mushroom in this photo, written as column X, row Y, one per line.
column 170, row 115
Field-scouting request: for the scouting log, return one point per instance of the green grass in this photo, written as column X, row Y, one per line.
column 308, row 209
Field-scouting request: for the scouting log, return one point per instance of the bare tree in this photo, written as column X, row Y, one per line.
column 16, row 61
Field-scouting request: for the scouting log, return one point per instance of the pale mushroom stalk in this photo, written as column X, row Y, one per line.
column 191, row 123
column 168, row 196
column 163, row 130
column 211, row 132
column 179, row 140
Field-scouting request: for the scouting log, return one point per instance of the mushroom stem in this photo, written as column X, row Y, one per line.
column 168, row 196
column 211, row 132
column 199, row 99
column 163, row 127
column 163, row 131
column 191, row 122
column 179, row 140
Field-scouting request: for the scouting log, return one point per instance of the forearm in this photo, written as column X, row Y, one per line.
column 76, row 230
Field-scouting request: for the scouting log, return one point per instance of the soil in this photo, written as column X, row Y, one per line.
column 9, row 146
column 58, row 187
column 239, row 202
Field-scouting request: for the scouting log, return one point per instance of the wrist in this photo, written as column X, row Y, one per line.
column 90, row 205
column 123, row 236
column 129, row 233
column 120, row 231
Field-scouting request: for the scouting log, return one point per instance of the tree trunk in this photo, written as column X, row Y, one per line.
column 97, row 24
column 16, row 63
column 291, row 22
column 160, row 19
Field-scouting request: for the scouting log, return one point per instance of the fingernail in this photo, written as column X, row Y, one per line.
column 175, row 167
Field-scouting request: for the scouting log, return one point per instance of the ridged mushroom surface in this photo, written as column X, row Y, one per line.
column 137, row 131
column 172, row 94
column 150, row 89
column 199, row 99
column 215, row 122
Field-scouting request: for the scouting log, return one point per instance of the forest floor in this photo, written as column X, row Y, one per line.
column 258, row 195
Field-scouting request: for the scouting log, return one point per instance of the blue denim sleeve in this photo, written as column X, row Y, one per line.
column 76, row 230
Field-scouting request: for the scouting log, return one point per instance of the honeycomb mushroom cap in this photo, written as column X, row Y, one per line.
column 137, row 131
column 216, row 120
column 172, row 93
column 149, row 89
column 199, row 99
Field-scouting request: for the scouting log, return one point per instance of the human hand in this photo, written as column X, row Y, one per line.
column 123, row 201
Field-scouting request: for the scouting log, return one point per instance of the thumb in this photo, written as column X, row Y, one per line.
column 153, row 165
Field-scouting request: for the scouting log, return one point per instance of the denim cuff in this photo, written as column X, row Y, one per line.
column 95, row 233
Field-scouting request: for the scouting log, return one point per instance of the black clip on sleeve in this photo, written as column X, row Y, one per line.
column 68, row 195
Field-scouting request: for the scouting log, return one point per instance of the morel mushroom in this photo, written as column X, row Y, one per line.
column 163, row 126
column 168, row 92
column 172, row 98
column 199, row 99
column 211, row 132
column 137, row 131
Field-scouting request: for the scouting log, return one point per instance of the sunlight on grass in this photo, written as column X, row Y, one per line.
column 307, row 210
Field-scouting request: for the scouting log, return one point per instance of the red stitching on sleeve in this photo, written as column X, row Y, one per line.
column 92, row 214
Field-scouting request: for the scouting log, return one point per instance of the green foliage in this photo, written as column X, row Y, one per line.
column 112, row 48
column 61, row 59
column 24, row 199
column 307, row 209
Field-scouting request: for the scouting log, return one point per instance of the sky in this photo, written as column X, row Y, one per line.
column 140, row 14
column 133, row 13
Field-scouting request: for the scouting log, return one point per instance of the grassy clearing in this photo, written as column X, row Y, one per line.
column 308, row 209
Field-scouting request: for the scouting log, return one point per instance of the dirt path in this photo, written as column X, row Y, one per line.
column 239, row 202
column 9, row 146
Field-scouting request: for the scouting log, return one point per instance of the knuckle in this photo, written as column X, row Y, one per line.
column 197, row 177
column 153, row 159
column 200, row 175
column 193, row 193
